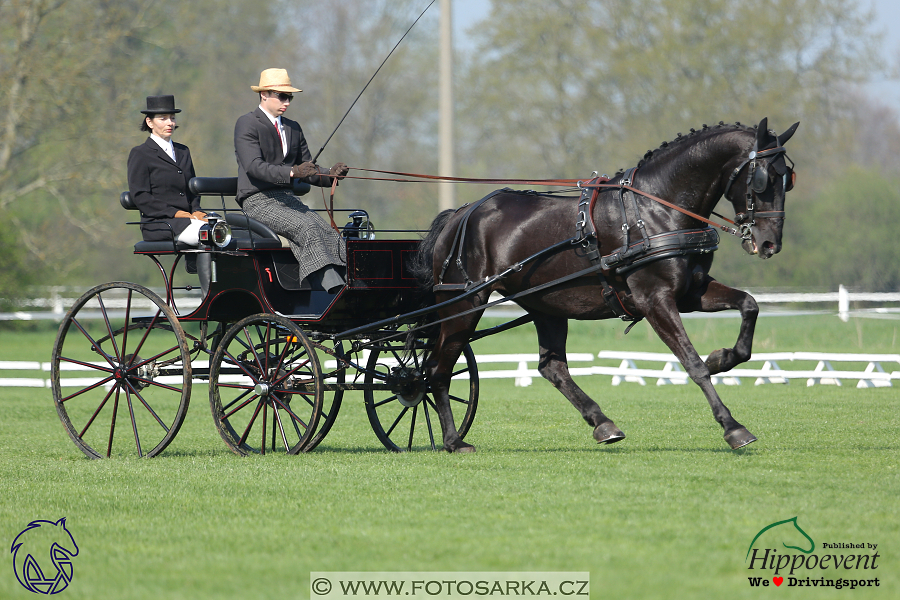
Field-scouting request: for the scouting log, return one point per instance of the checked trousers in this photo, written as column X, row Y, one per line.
column 314, row 243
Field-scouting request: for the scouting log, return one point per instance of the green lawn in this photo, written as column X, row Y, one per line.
column 669, row 512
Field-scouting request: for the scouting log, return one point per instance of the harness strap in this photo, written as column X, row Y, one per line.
column 459, row 238
column 592, row 248
column 330, row 209
column 662, row 245
column 724, row 228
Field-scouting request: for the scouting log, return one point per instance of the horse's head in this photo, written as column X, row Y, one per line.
column 757, row 189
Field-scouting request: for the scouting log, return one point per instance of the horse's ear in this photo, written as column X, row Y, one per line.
column 762, row 133
column 784, row 137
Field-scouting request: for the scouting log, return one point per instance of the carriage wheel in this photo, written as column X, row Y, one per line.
column 265, row 386
column 332, row 396
column 403, row 414
column 133, row 372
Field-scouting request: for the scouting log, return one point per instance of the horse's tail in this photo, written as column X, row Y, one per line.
column 422, row 266
column 422, row 262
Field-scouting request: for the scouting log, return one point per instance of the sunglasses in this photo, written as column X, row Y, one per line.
column 282, row 96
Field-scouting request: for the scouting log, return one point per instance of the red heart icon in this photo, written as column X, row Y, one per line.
column 778, row 580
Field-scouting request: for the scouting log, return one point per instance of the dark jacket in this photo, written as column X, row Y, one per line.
column 159, row 188
column 261, row 164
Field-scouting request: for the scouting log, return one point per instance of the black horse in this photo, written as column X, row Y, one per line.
column 642, row 273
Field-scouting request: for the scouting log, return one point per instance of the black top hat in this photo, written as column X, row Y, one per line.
column 161, row 105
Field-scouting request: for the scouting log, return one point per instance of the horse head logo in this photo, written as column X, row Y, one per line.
column 30, row 552
column 787, row 534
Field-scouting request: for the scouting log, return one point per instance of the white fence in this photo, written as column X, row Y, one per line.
column 879, row 371
column 58, row 299
column 771, row 370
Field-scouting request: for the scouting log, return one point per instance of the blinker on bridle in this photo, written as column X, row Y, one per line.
column 757, row 182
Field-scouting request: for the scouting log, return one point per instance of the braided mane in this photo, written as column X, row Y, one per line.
column 679, row 139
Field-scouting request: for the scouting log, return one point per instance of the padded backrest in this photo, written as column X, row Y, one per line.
column 211, row 186
column 227, row 186
column 214, row 186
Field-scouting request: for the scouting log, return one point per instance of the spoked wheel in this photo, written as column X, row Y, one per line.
column 332, row 396
column 402, row 413
column 265, row 386
column 132, row 372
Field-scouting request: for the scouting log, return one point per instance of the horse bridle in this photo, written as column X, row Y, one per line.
column 757, row 182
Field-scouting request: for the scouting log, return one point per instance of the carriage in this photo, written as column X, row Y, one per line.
column 277, row 356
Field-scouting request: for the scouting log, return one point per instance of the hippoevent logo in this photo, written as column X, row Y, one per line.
column 42, row 556
column 770, row 558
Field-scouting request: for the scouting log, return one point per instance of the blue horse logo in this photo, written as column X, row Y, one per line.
column 30, row 550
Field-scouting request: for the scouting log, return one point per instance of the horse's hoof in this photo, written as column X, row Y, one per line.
column 462, row 448
column 608, row 433
column 739, row 438
column 716, row 361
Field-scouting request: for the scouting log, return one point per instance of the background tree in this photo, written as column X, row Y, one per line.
column 564, row 87
column 73, row 76
column 555, row 88
column 579, row 84
column 394, row 125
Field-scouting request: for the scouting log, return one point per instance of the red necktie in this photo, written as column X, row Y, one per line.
column 278, row 133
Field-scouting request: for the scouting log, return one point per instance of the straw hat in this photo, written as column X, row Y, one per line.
column 276, row 80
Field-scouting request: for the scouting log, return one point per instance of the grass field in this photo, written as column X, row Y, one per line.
column 670, row 512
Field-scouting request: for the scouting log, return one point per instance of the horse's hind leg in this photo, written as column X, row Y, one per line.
column 552, row 333
column 663, row 316
column 717, row 297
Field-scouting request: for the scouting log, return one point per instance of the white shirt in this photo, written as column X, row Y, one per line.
column 277, row 122
column 166, row 145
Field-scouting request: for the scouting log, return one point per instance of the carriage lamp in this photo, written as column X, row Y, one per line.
column 359, row 227
column 215, row 231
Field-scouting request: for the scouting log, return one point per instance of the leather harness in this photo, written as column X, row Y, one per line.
column 629, row 256
column 622, row 260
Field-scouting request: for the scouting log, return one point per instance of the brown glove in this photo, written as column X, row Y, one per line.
column 339, row 170
column 304, row 170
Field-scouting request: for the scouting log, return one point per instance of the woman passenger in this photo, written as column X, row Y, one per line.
column 158, row 174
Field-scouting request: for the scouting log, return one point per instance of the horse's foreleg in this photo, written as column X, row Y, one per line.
column 439, row 369
column 663, row 316
column 717, row 297
column 552, row 333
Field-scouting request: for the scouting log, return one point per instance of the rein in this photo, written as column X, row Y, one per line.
column 740, row 226
column 423, row 178
column 633, row 189
column 579, row 183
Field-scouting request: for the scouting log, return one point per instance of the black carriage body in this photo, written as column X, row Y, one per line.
column 256, row 273
column 277, row 364
column 250, row 281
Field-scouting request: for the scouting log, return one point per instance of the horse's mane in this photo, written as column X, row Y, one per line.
column 675, row 144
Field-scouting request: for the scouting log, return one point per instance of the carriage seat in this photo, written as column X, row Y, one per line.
column 143, row 246
column 242, row 226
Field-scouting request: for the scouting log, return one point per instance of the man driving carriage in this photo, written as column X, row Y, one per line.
column 270, row 151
